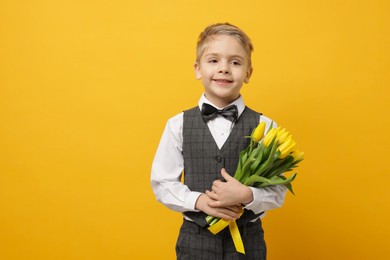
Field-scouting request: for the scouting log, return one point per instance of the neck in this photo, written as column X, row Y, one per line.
column 221, row 103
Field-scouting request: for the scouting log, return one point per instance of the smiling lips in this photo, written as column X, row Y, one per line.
column 222, row 81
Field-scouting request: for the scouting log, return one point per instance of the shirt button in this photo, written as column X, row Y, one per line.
column 218, row 159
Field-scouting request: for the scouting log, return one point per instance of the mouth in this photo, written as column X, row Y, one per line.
column 223, row 81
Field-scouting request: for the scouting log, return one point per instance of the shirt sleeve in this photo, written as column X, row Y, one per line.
column 267, row 198
column 270, row 197
column 167, row 168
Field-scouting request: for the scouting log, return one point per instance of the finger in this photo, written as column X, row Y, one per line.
column 234, row 208
column 226, row 175
column 227, row 214
column 216, row 183
column 215, row 203
column 212, row 195
column 222, row 204
column 225, row 217
column 215, row 188
column 218, row 180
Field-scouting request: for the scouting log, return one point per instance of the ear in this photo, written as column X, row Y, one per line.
column 248, row 75
column 198, row 75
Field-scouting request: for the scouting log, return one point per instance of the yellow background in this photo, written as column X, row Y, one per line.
column 86, row 88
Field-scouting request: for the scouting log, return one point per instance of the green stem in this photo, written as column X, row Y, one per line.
column 215, row 220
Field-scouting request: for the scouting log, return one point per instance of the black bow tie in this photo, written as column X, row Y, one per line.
column 209, row 112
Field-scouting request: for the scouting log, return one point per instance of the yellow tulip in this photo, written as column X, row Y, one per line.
column 280, row 130
column 286, row 148
column 259, row 132
column 298, row 155
column 282, row 135
column 285, row 144
column 269, row 136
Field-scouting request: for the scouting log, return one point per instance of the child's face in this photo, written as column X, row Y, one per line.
column 223, row 68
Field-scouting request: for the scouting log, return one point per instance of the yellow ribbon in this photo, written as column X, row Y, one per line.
column 234, row 231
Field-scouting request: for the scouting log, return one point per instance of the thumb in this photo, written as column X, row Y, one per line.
column 226, row 175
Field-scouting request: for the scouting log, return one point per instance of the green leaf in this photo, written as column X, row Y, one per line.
column 289, row 187
column 284, row 166
column 276, row 164
column 267, row 164
column 237, row 174
column 255, row 178
column 288, row 184
column 276, row 180
column 242, row 159
column 255, row 152
column 258, row 161
column 244, row 155
column 297, row 161
column 248, row 164
column 262, row 185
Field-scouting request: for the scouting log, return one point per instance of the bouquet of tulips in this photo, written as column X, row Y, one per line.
column 263, row 164
column 266, row 158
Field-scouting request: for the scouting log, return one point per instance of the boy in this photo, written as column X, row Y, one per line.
column 205, row 142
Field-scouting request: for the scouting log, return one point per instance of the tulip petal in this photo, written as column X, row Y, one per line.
column 258, row 133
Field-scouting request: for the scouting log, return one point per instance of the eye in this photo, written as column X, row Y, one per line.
column 235, row 62
column 213, row 60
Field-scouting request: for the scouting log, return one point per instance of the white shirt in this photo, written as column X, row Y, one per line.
column 168, row 165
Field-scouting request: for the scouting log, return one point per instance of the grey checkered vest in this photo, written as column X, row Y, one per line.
column 203, row 160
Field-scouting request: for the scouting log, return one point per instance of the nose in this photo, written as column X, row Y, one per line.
column 223, row 68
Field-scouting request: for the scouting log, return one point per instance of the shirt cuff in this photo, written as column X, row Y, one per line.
column 250, row 204
column 266, row 198
column 191, row 200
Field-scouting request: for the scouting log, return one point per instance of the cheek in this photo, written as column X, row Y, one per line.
column 205, row 82
column 246, row 77
column 207, row 75
column 243, row 77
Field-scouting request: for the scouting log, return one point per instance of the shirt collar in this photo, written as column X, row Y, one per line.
column 239, row 102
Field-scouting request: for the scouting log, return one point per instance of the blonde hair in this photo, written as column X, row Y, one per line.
column 223, row 29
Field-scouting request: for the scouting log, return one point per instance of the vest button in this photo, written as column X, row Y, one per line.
column 218, row 159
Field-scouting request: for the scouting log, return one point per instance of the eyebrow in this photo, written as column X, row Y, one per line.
column 216, row 54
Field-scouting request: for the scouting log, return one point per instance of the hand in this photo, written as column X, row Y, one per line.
column 228, row 193
column 227, row 213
